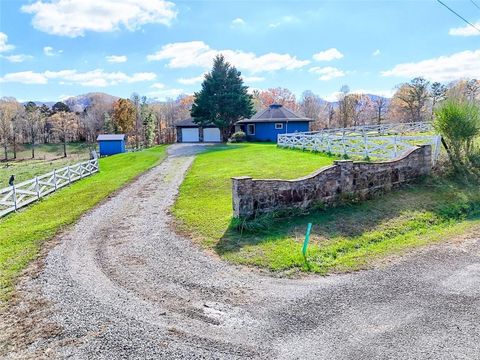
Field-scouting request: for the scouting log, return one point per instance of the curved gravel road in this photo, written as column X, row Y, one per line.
column 122, row 285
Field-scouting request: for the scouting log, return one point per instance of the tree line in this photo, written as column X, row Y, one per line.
column 145, row 123
column 223, row 100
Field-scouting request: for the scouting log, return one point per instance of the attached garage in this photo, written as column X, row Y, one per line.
column 189, row 132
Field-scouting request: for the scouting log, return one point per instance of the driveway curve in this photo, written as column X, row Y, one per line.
column 122, row 285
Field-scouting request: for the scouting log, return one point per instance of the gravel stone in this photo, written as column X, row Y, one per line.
column 122, row 285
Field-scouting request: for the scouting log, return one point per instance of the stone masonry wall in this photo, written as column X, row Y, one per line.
column 329, row 185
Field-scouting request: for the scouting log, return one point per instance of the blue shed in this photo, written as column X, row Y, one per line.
column 268, row 123
column 111, row 144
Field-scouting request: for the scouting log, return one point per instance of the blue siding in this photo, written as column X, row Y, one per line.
column 111, row 147
column 265, row 131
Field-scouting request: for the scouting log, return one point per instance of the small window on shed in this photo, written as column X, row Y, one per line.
column 251, row 129
column 278, row 126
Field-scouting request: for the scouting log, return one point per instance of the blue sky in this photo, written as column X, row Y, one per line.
column 52, row 49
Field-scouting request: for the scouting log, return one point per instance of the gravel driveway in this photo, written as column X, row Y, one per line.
column 121, row 285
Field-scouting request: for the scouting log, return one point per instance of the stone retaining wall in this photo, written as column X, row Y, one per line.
column 329, row 185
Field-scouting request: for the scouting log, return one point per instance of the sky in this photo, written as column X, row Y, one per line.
column 53, row 49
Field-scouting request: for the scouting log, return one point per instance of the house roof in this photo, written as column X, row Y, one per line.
column 274, row 113
column 110, row 137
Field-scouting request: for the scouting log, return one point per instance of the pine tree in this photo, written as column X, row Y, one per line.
column 223, row 99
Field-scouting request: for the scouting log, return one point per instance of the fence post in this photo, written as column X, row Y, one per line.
column 37, row 187
column 365, row 142
column 395, row 145
column 89, row 167
column 14, row 197
column 68, row 174
column 55, row 178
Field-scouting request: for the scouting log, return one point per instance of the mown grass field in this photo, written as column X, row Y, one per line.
column 22, row 233
column 47, row 158
column 343, row 239
column 204, row 204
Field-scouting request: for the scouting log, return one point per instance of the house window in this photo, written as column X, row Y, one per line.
column 251, row 129
column 278, row 126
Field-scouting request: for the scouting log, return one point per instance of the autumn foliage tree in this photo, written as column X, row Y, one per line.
column 124, row 116
column 65, row 125
column 278, row 95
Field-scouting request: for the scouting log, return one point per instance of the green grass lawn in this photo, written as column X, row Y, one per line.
column 47, row 158
column 204, row 204
column 22, row 234
column 343, row 238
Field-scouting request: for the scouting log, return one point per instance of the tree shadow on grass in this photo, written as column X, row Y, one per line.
column 446, row 200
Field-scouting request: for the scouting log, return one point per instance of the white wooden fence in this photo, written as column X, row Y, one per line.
column 14, row 197
column 375, row 142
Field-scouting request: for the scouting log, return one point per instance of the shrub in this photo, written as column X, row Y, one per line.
column 238, row 137
column 458, row 122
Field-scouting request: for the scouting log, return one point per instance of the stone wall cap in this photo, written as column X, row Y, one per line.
column 241, row 177
column 342, row 161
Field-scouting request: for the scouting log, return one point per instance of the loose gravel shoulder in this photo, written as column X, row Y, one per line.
column 122, row 285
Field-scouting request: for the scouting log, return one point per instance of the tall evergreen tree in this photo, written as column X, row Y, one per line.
column 223, row 99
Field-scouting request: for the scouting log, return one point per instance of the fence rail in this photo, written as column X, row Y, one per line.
column 19, row 195
column 378, row 142
column 382, row 129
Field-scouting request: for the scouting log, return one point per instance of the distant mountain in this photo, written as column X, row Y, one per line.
column 40, row 103
column 371, row 96
column 80, row 102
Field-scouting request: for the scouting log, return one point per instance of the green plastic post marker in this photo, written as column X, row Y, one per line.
column 307, row 238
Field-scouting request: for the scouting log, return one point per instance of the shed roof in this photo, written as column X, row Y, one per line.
column 275, row 113
column 110, row 137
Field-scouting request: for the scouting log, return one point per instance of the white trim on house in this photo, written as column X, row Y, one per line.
column 278, row 126
column 249, row 127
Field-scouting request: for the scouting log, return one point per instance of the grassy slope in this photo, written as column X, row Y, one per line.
column 204, row 204
column 47, row 158
column 343, row 238
column 22, row 234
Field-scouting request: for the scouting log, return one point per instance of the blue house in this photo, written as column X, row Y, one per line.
column 111, row 144
column 268, row 123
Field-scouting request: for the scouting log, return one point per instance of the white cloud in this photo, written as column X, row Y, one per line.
column 327, row 73
column 25, row 77
column 328, row 55
column 376, row 52
column 251, row 79
column 164, row 94
column 192, row 80
column 116, row 58
column 465, row 64
column 238, row 22
column 284, row 20
column 74, row 17
column 466, row 30
column 94, row 78
column 158, row 86
column 50, row 51
column 197, row 53
column 17, row 58
column 3, row 43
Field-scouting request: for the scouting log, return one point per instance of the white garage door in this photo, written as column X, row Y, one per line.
column 211, row 135
column 190, row 135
